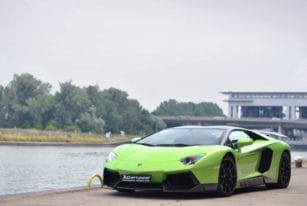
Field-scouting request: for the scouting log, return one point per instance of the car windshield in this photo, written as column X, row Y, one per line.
column 184, row 137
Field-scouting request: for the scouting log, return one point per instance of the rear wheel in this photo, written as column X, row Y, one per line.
column 227, row 177
column 284, row 173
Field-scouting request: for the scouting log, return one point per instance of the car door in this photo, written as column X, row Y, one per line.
column 247, row 156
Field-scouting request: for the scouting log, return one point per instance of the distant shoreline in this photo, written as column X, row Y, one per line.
column 63, row 144
column 25, row 137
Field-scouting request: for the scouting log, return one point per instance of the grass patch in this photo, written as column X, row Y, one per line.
column 58, row 137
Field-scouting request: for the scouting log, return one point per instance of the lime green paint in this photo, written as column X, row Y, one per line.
column 160, row 161
column 244, row 142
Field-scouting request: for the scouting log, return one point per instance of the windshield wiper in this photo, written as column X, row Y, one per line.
column 145, row 144
column 166, row 145
column 174, row 145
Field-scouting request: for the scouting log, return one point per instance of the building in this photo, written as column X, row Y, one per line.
column 273, row 105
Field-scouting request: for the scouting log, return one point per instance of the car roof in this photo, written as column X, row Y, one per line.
column 269, row 132
column 214, row 126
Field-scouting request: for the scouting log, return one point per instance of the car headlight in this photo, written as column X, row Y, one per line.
column 192, row 159
column 112, row 156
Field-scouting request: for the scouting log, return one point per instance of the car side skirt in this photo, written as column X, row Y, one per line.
column 254, row 181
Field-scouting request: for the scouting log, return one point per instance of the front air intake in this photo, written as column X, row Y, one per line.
column 110, row 178
column 181, row 181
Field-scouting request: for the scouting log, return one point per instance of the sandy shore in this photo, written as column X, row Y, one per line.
column 295, row 194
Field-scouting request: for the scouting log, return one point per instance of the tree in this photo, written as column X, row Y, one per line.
column 174, row 108
column 96, row 98
column 88, row 122
column 158, row 124
column 17, row 101
column 27, row 103
column 41, row 109
column 125, row 114
column 71, row 102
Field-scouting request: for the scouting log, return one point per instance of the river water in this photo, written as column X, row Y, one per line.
column 31, row 168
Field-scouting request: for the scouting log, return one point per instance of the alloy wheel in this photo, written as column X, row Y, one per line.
column 227, row 177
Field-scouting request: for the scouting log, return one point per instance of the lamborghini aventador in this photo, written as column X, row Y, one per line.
column 199, row 159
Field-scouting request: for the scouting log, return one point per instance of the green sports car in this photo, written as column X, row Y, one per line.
column 199, row 159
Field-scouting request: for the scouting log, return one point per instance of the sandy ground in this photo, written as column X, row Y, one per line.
column 295, row 194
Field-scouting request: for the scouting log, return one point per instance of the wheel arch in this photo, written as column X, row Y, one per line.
column 231, row 155
column 287, row 151
column 284, row 150
column 279, row 182
column 278, row 149
column 207, row 169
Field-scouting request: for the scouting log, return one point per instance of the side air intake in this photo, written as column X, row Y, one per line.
column 266, row 160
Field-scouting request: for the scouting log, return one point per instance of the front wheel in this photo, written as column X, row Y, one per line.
column 227, row 177
column 284, row 173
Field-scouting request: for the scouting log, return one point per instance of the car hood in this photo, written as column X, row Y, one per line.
column 137, row 152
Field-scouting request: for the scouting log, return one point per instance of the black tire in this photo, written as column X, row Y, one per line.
column 284, row 174
column 227, row 177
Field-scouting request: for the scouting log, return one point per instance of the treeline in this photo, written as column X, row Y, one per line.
column 174, row 108
column 27, row 102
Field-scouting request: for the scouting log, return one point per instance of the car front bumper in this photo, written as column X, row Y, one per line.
column 177, row 182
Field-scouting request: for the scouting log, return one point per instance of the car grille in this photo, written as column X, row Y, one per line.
column 180, row 181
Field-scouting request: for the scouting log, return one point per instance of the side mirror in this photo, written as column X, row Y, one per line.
column 135, row 139
column 244, row 142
